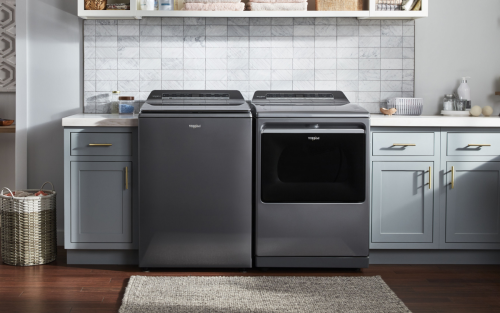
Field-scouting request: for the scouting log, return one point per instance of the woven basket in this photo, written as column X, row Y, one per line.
column 28, row 228
column 95, row 4
column 340, row 5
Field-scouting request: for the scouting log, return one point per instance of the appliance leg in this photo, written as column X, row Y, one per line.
column 145, row 269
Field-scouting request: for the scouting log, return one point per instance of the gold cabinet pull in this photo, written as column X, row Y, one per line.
column 100, row 144
column 126, row 178
column 403, row 145
column 478, row 145
column 430, row 177
column 452, row 177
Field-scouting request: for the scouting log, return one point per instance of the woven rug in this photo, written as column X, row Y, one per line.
column 260, row 294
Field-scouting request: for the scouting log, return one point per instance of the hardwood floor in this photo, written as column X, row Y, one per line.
column 58, row 287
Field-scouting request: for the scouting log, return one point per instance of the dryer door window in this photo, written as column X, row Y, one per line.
column 313, row 168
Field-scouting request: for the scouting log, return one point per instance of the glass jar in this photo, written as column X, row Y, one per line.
column 149, row 5
column 114, row 101
column 126, row 105
column 448, row 102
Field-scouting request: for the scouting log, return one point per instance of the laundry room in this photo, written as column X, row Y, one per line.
column 250, row 156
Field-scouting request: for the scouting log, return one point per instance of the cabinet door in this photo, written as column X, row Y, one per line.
column 101, row 202
column 472, row 205
column 402, row 206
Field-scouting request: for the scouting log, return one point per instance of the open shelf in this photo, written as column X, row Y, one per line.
column 138, row 14
column 134, row 13
column 8, row 129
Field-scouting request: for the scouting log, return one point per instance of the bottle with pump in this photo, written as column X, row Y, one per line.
column 464, row 92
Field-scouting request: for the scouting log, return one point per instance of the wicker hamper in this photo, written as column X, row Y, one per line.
column 28, row 228
column 341, row 5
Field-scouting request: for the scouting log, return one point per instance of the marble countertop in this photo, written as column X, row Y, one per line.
column 433, row 121
column 100, row 120
column 377, row 120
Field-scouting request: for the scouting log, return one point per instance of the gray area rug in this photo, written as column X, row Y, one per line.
column 259, row 294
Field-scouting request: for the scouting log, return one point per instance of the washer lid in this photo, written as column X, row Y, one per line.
column 195, row 101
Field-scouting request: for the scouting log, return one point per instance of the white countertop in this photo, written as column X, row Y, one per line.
column 100, row 120
column 377, row 120
column 433, row 121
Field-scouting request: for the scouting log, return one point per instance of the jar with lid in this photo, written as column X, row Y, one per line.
column 114, row 101
column 448, row 102
column 126, row 105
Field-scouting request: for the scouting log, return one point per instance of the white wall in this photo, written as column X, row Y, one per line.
column 459, row 38
column 54, row 52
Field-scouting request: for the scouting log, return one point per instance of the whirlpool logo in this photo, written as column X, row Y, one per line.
column 313, row 138
column 194, row 126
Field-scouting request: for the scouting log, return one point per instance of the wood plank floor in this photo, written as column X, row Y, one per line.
column 58, row 287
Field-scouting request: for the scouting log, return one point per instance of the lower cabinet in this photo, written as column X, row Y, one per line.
column 101, row 195
column 402, row 202
column 101, row 202
column 472, row 202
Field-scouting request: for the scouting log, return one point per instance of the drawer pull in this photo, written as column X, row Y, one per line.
column 403, row 145
column 100, row 144
column 126, row 178
column 452, row 177
column 430, row 177
column 478, row 145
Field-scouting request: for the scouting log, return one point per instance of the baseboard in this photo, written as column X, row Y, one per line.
column 102, row 257
column 434, row 257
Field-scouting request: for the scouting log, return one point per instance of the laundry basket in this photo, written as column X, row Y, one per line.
column 28, row 227
column 340, row 5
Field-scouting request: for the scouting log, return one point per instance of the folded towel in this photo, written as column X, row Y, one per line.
column 214, row 6
column 212, row 1
column 252, row 6
column 278, row 1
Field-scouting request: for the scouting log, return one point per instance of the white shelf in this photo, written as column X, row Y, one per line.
column 140, row 14
column 134, row 13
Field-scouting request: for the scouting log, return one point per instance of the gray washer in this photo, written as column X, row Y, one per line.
column 195, row 177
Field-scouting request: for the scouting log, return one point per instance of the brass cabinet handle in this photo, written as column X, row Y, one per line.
column 430, row 177
column 100, row 144
column 478, row 145
column 126, row 178
column 452, row 177
column 403, row 145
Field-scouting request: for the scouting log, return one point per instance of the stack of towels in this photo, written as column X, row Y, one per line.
column 213, row 5
column 277, row 5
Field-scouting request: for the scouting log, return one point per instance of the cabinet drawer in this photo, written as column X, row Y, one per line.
column 394, row 144
column 471, row 144
column 101, row 144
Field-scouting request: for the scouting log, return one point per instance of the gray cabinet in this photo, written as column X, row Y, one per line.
column 101, row 202
column 402, row 202
column 100, row 196
column 472, row 202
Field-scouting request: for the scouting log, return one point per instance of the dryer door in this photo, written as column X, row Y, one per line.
column 318, row 164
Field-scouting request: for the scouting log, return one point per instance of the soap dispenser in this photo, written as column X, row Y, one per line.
column 464, row 93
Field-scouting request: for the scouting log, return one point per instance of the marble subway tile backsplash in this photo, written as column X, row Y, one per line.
column 370, row 60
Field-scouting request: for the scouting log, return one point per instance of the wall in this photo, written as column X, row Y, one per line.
column 369, row 60
column 459, row 38
column 53, row 88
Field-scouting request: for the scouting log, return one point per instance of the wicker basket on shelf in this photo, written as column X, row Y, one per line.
column 28, row 228
column 95, row 4
column 340, row 5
